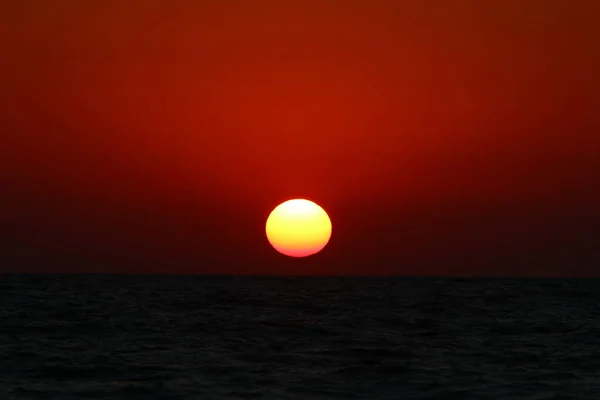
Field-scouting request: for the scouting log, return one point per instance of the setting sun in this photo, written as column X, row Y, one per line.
column 298, row 228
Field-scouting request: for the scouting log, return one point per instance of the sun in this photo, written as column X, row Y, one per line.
column 298, row 228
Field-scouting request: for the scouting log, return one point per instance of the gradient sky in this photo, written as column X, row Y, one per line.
column 443, row 137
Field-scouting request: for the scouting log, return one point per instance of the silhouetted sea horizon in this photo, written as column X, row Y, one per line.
column 108, row 336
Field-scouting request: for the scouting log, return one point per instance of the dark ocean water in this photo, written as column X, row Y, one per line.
column 195, row 337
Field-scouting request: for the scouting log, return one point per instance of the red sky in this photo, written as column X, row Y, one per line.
column 442, row 137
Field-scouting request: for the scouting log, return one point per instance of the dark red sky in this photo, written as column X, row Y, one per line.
column 443, row 137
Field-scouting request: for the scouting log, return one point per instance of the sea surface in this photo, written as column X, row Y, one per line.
column 207, row 337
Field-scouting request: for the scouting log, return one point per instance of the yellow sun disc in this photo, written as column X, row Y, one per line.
column 298, row 228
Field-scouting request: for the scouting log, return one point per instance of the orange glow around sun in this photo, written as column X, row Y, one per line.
column 298, row 228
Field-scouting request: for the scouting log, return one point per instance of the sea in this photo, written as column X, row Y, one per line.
column 240, row 337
